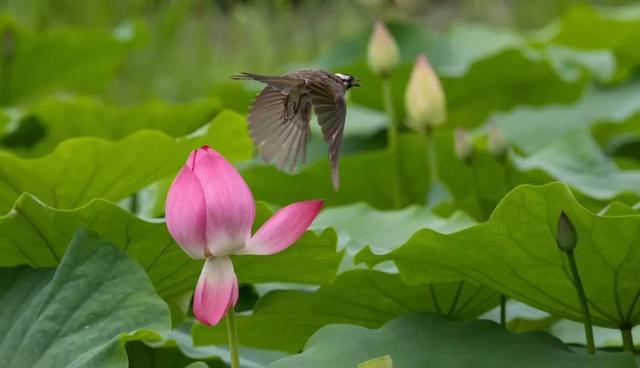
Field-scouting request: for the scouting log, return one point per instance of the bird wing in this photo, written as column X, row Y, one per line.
column 327, row 98
column 282, row 83
column 279, row 126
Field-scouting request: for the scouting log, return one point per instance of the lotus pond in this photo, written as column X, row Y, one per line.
column 479, row 206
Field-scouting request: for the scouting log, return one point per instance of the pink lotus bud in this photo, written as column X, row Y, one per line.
column 424, row 98
column 210, row 212
column 382, row 54
column 462, row 145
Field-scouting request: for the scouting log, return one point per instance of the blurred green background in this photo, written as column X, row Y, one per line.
column 184, row 48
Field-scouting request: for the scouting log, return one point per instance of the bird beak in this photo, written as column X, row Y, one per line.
column 357, row 83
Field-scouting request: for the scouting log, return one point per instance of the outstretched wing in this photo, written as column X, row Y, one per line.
column 327, row 98
column 283, row 84
column 279, row 126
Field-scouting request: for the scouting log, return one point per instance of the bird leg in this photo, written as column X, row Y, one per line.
column 296, row 106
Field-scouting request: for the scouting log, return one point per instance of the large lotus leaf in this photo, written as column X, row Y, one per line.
column 64, row 118
column 362, row 297
column 515, row 253
column 583, row 28
column 61, row 59
column 144, row 356
column 578, row 160
column 557, row 139
column 37, row 235
column 81, row 169
column 360, row 224
column 179, row 349
column 428, row 340
column 79, row 314
column 533, row 128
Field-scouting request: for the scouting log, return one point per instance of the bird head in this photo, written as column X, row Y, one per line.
column 347, row 80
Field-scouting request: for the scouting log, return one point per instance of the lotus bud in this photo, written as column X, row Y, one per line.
column 382, row 53
column 462, row 145
column 566, row 236
column 496, row 141
column 424, row 98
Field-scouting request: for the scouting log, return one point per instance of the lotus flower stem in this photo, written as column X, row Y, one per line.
column 627, row 339
column 503, row 310
column 392, row 131
column 584, row 305
column 232, row 334
column 431, row 155
column 392, row 138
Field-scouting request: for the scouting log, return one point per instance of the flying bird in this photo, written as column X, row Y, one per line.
column 280, row 115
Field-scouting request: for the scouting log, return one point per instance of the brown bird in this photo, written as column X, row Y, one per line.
column 279, row 117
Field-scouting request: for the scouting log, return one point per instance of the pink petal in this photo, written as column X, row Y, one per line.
column 185, row 213
column 283, row 228
column 216, row 292
column 229, row 204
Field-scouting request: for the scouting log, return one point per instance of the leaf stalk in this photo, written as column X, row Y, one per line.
column 233, row 339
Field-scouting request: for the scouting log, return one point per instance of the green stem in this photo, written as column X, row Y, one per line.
column 392, row 130
column 233, row 338
column 503, row 310
column 392, row 141
column 431, row 155
column 577, row 282
column 627, row 339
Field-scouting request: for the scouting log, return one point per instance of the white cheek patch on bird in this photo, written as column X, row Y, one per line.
column 280, row 115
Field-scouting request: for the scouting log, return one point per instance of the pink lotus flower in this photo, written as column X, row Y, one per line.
column 210, row 211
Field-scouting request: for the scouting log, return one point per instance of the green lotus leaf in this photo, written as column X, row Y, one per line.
column 515, row 253
column 63, row 118
column 362, row 297
column 81, row 169
column 80, row 314
column 38, row 235
column 423, row 340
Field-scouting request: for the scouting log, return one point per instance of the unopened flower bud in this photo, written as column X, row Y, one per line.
column 381, row 362
column 496, row 141
column 462, row 145
column 566, row 236
column 424, row 98
column 382, row 54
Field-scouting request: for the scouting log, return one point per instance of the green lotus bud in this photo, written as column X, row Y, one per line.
column 496, row 141
column 382, row 54
column 381, row 362
column 424, row 98
column 566, row 236
column 462, row 145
